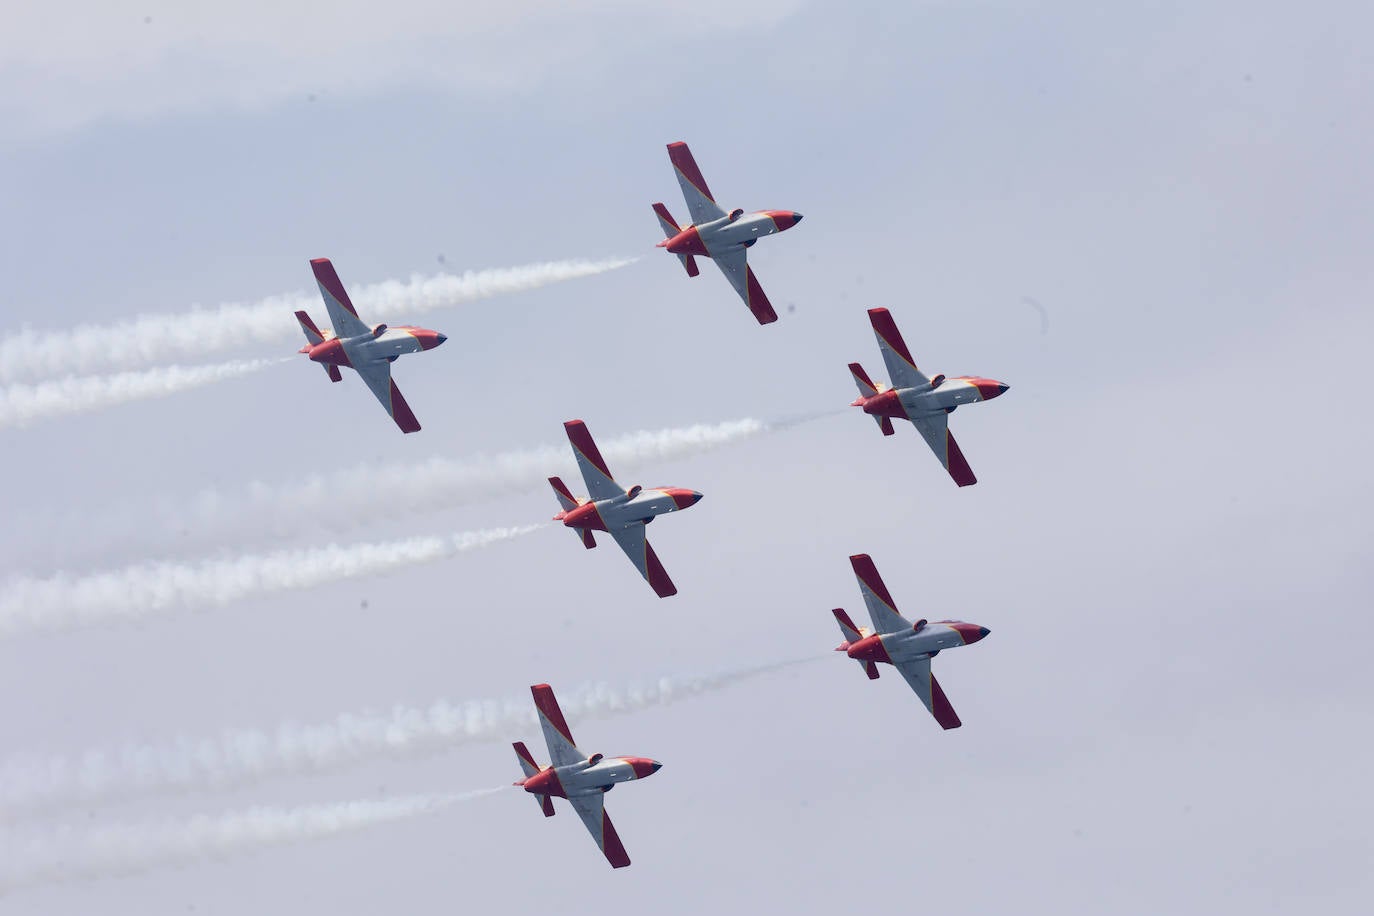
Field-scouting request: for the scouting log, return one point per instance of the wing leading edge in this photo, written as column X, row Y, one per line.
column 917, row 674
column 734, row 263
column 633, row 540
column 934, row 428
column 600, row 483
column 562, row 750
column 592, row 810
column 377, row 374
column 701, row 205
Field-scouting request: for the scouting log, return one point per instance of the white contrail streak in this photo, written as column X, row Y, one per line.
column 348, row 497
column 72, row 854
column 88, row 348
column 20, row 404
column 436, row 483
column 244, row 756
column 134, row 592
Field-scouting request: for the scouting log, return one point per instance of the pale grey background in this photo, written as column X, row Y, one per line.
column 1170, row 540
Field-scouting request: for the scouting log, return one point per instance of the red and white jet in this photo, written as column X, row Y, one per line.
column 369, row 351
column 581, row 779
column 926, row 402
column 619, row 512
column 722, row 237
column 895, row 641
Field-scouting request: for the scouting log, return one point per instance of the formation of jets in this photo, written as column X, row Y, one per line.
column 623, row 514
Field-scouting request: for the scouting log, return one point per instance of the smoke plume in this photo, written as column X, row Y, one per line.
column 239, row 757
column 21, row 404
column 89, row 348
column 69, row 854
column 62, row 602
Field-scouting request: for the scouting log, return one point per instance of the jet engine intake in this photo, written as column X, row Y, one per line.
column 920, row 625
column 937, row 381
column 379, row 330
column 594, row 759
column 634, row 491
column 736, row 213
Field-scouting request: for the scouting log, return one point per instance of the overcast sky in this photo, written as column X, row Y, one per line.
column 1152, row 223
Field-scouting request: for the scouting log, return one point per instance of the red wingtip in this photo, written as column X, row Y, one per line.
column 683, row 161
column 328, row 278
column 401, row 412
column 940, row 706
column 886, row 328
column 611, row 845
column 581, row 439
column 658, row 576
column 758, row 302
column 547, row 705
column 868, row 576
column 958, row 466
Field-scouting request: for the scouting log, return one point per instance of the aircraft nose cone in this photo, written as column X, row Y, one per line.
column 983, row 631
column 656, row 767
column 696, row 497
column 796, row 217
column 440, row 338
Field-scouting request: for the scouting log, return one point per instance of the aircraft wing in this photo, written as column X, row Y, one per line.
column 934, row 428
column 901, row 368
column 882, row 610
column 700, row 204
column 562, row 750
column 600, row 484
column 592, row 810
column 341, row 312
column 734, row 263
column 377, row 374
column 917, row 674
column 632, row 540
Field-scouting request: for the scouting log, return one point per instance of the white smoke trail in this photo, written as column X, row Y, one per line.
column 436, row 483
column 70, row 854
column 62, row 601
column 87, row 348
column 243, row 756
column 20, row 404
column 282, row 509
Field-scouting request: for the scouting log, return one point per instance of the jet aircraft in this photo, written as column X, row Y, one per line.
column 895, row 641
column 619, row 512
column 722, row 237
column 369, row 351
column 926, row 402
column 581, row 779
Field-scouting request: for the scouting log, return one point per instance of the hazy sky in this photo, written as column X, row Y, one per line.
column 1170, row 539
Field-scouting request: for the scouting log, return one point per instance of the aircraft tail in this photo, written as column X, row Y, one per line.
column 670, row 229
column 569, row 502
column 853, row 634
column 867, row 390
column 313, row 337
column 530, row 768
column 312, row 333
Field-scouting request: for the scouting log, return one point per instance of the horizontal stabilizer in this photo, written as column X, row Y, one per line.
column 851, row 633
column 871, row 669
column 689, row 264
column 885, row 424
column 565, row 497
column 333, row 372
column 546, row 803
column 865, row 384
column 588, row 541
column 312, row 333
column 666, row 221
column 527, row 764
